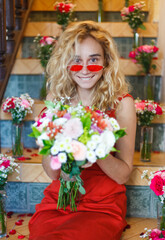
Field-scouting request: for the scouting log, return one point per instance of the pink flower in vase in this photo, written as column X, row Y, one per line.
column 140, row 105
column 6, row 163
column 157, row 185
column 49, row 40
column 131, row 8
column 25, row 103
column 158, row 110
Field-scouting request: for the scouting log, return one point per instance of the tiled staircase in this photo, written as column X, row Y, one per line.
column 27, row 76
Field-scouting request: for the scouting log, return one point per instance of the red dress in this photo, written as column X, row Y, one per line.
column 100, row 212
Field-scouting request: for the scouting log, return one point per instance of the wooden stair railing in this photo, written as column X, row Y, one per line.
column 13, row 18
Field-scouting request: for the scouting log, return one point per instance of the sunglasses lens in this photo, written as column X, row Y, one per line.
column 76, row 68
column 94, row 68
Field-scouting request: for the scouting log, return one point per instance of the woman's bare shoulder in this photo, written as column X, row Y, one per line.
column 50, row 97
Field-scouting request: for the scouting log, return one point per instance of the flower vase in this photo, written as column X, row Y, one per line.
column 3, row 222
column 43, row 88
column 100, row 15
column 149, row 82
column 146, row 139
column 17, row 139
column 136, row 39
column 161, row 215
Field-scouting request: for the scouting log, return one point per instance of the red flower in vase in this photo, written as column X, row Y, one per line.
column 157, row 185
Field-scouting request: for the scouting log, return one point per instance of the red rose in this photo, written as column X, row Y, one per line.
column 157, row 185
column 60, row 7
column 6, row 163
column 67, row 8
column 131, row 8
column 11, row 104
column 155, row 49
column 158, row 110
column 132, row 54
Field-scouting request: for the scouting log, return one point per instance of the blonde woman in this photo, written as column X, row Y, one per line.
column 85, row 67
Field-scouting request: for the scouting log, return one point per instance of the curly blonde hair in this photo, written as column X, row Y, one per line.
column 112, row 84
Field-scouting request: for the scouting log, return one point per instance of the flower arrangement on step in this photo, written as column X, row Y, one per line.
column 44, row 48
column 19, row 107
column 156, row 180
column 154, row 234
column 64, row 11
column 146, row 110
column 7, row 166
column 134, row 16
column 143, row 55
column 73, row 137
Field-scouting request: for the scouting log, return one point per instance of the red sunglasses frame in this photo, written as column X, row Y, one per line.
column 91, row 68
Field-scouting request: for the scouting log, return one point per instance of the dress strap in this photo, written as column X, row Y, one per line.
column 124, row 96
column 42, row 111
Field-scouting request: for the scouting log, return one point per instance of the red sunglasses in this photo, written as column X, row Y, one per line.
column 91, row 68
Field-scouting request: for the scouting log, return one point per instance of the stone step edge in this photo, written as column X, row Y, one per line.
column 39, row 105
column 32, row 171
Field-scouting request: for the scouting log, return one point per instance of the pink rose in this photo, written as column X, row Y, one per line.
column 79, row 150
column 140, row 105
column 157, row 185
column 25, row 103
column 132, row 54
column 55, row 163
column 73, row 128
column 49, row 40
column 158, row 110
column 150, row 107
column 108, row 124
column 155, row 49
column 6, row 163
column 131, row 8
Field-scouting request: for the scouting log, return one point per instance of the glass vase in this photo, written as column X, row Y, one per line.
column 17, row 140
column 146, row 139
column 136, row 39
column 149, row 83
column 3, row 222
column 161, row 215
column 43, row 88
column 100, row 15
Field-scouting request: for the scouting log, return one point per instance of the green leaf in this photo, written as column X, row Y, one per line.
column 113, row 149
column 49, row 104
column 80, row 163
column 153, row 66
column 45, row 150
column 35, row 132
column 119, row 133
column 86, row 121
column 82, row 189
column 47, row 143
column 142, row 27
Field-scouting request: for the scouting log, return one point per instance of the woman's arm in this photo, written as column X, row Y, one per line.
column 119, row 167
column 53, row 174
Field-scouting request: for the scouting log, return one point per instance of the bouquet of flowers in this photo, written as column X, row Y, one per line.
column 73, row 137
column 143, row 55
column 64, row 12
column 154, row 234
column 156, row 180
column 19, row 107
column 7, row 166
column 146, row 110
column 44, row 48
column 134, row 15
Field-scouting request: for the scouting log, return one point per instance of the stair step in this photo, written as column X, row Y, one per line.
column 136, row 226
column 31, row 170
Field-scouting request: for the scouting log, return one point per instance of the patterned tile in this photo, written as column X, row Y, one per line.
column 36, row 192
column 158, row 138
column 19, row 84
column 17, row 197
column 5, row 136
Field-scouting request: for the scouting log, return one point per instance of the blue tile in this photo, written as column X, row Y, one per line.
column 19, row 84
column 16, row 200
column 36, row 192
